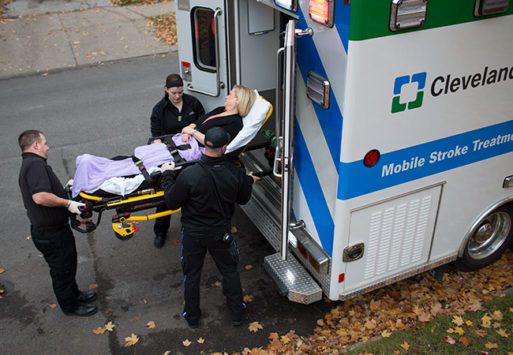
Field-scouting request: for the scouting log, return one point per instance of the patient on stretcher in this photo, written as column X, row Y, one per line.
column 121, row 177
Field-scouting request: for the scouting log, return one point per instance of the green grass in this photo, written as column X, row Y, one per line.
column 430, row 338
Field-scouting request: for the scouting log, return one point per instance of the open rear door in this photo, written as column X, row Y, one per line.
column 202, row 29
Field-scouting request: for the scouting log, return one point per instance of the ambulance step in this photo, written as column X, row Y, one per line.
column 292, row 279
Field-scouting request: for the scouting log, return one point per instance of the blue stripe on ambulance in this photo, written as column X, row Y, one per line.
column 425, row 159
column 342, row 12
column 330, row 120
column 312, row 189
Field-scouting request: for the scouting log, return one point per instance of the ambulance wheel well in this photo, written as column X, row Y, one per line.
column 488, row 238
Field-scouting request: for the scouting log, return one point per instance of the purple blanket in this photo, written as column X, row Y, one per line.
column 92, row 171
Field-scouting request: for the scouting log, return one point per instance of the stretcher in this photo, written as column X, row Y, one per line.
column 150, row 194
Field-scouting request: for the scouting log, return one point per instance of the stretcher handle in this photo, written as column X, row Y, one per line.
column 185, row 163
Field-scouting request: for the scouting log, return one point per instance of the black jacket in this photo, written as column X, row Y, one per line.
column 231, row 123
column 166, row 119
column 193, row 191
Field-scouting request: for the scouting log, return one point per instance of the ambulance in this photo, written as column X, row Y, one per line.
column 394, row 131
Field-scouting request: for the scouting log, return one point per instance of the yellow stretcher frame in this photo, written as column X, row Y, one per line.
column 124, row 224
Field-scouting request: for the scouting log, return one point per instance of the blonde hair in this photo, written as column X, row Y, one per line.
column 246, row 98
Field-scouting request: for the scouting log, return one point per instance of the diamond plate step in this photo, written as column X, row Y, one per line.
column 292, row 279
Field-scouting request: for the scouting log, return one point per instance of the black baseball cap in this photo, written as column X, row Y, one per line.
column 216, row 137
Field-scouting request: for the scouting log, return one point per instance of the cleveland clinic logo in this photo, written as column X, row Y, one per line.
column 398, row 102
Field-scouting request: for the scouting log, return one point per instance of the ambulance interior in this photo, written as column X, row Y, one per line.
column 241, row 42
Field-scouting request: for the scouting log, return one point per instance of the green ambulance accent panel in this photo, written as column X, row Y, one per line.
column 371, row 18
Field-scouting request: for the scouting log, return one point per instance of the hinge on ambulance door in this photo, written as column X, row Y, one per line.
column 353, row 252
column 407, row 14
column 490, row 7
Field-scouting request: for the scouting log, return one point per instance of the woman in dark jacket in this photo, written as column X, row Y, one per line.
column 169, row 116
column 176, row 109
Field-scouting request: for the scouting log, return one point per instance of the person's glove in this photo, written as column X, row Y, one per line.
column 169, row 166
column 74, row 205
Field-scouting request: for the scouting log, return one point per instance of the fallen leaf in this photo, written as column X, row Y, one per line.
column 186, row 343
column 511, row 310
column 386, row 333
column 320, row 322
column 397, row 352
column 491, row 346
column 248, row 298
column 497, row 315
column 99, row 330
column 450, row 331
column 52, row 305
column 466, row 341
column 248, row 267
column 109, row 326
column 200, row 340
column 370, row 324
column 469, row 323
column 255, row 327
column 2, row 270
column 481, row 333
column 486, row 321
column 449, row 340
column 424, row 317
column 459, row 330
column 502, row 333
column 458, row 320
column 405, row 346
column 131, row 340
column 151, row 324
column 437, row 308
column 167, row 352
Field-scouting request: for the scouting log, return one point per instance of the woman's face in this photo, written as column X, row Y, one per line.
column 175, row 94
column 231, row 100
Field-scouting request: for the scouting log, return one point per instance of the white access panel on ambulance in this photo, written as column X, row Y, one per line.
column 396, row 234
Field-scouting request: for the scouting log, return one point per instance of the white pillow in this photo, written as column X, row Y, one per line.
column 251, row 123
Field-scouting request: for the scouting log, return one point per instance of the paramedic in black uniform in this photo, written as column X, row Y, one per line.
column 175, row 111
column 48, row 211
column 206, row 221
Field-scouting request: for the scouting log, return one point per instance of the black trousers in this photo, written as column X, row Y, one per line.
column 226, row 257
column 161, row 225
column 57, row 244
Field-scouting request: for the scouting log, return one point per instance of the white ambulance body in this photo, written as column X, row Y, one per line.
column 395, row 125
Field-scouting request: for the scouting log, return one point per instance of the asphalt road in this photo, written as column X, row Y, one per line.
column 104, row 110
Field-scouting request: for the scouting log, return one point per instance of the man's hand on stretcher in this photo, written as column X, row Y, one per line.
column 73, row 206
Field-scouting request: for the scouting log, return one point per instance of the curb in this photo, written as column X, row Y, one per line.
column 174, row 50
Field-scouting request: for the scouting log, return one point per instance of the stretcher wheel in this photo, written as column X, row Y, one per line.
column 123, row 229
